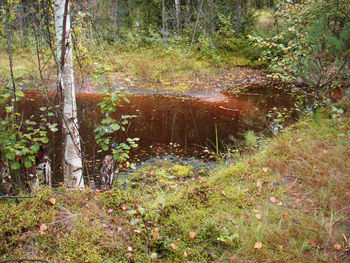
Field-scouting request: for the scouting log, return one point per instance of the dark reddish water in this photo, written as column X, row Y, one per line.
column 161, row 120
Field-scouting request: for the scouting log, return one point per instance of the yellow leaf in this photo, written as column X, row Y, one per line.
column 192, row 235
column 273, row 199
column 173, row 246
column 43, row 228
column 258, row 245
column 337, row 247
column 52, row 200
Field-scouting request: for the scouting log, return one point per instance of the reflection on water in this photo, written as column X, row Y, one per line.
column 163, row 119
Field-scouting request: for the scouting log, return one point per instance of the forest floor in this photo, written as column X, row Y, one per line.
column 191, row 85
column 288, row 201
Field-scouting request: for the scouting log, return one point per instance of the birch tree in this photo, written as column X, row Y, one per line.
column 72, row 161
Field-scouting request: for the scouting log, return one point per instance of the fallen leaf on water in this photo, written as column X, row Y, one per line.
column 337, row 247
column 273, row 199
column 192, row 235
column 258, row 245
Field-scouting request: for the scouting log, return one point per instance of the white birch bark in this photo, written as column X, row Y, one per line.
column 73, row 174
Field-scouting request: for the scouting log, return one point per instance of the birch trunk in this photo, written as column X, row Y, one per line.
column 72, row 165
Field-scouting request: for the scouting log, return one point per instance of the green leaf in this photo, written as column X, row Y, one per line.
column 15, row 165
column 9, row 109
column 28, row 164
column 141, row 210
column 115, row 127
column 19, row 93
column 35, row 147
column 10, row 156
column 53, row 129
column 105, row 147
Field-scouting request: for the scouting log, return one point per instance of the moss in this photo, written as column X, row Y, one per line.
column 117, row 197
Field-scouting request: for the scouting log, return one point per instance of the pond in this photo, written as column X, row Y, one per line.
column 177, row 126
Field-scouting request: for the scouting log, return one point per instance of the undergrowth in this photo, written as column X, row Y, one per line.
column 289, row 202
column 151, row 66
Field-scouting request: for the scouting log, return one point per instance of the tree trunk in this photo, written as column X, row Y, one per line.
column 164, row 33
column 195, row 27
column 212, row 19
column 72, row 166
column 5, row 179
column 237, row 21
column 116, row 20
column 22, row 22
column 178, row 10
column 187, row 16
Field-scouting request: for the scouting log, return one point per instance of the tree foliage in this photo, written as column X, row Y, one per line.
column 311, row 41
